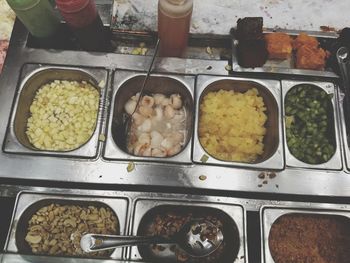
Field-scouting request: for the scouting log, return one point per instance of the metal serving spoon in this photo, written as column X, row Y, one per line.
column 192, row 238
column 123, row 128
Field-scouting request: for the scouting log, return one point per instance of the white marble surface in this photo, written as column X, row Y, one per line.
column 218, row 16
column 7, row 18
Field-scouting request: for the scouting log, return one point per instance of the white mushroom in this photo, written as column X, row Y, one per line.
column 167, row 143
column 144, row 138
column 159, row 113
column 147, row 101
column 130, row 106
column 176, row 101
column 180, row 115
column 158, row 127
column 147, row 152
column 169, row 112
column 140, row 149
column 138, row 118
column 158, row 98
column 156, row 139
column 146, row 111
column 146, row 126
column 174, row 150
column 158, row 152
column 177, row 137
column 136, row 96
column 165, row 102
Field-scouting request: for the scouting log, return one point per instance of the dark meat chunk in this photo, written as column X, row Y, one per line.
column 252, row 53
column 250, row 28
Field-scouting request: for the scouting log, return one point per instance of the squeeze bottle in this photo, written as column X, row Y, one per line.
column 85, row 22
column 174, row 18
column 37, row 15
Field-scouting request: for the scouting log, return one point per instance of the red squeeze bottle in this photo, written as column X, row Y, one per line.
column 85, row 22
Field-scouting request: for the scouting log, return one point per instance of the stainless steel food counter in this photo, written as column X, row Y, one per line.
column 134, row 209
column 102, row 170
column 102, row 164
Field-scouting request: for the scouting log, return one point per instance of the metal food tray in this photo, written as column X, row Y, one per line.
column 135, row 205
column 196, row 174
column 335, row 163
column 32, row 77
column 285, row 66
column 128, row 83
column 28, row 203
column 344, row 131
column 236, row 212
column 270, row 91
column 269, row 214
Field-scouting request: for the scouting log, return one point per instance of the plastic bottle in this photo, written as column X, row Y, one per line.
column 174, row 18
column 37, row 15
column 83, row 19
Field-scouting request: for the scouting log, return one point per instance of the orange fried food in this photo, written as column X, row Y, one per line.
column 279, row 45
column 305, row 39
column 309, row 57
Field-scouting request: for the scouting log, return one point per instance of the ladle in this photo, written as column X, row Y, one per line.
column 198, row 238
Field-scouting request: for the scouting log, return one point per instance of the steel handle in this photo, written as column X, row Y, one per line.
column 343, row 62
column 97, row 242
column 147, row 75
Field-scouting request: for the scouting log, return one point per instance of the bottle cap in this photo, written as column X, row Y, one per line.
column 77, row 13
column 71, row 6
column 177, row 2
column 176, row 8
column 22, row 4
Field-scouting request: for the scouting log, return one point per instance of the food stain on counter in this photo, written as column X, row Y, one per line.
column 130, row 167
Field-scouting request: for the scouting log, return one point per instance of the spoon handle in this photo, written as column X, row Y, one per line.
column 97, row 242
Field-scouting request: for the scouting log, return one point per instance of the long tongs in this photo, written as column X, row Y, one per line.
column 124, row 126
column 343, row 62
column 146, row 78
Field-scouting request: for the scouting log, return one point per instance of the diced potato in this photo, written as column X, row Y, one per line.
column 63, row 115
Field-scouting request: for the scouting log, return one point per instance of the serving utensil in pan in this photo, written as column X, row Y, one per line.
column 198, row 238
column 124, row 127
